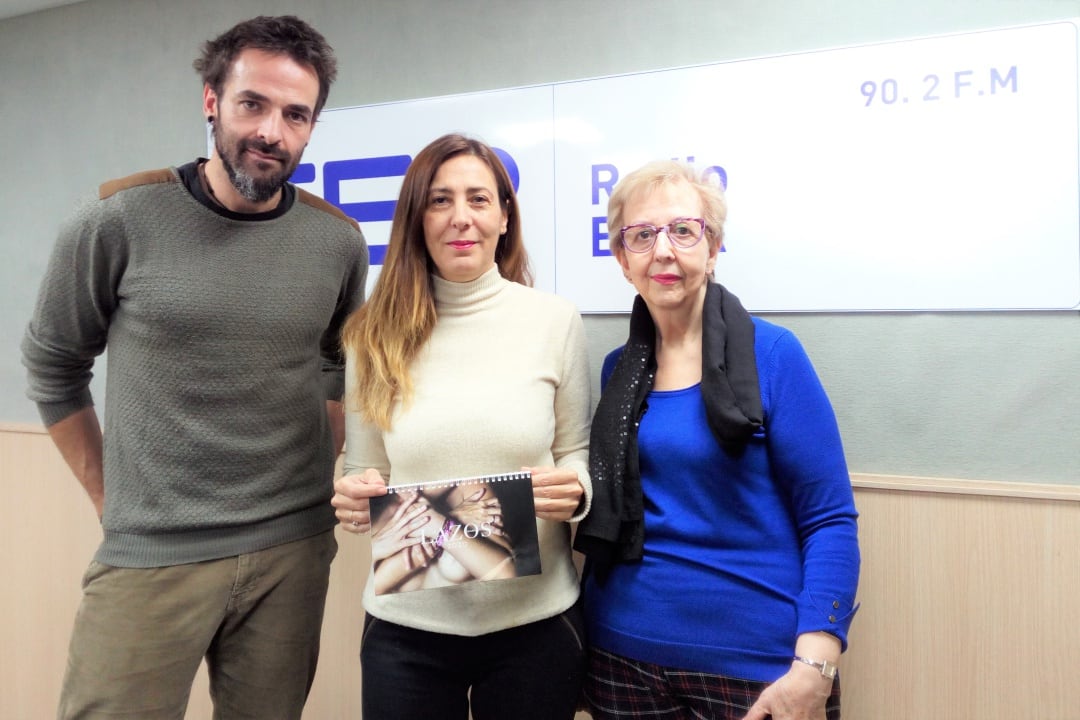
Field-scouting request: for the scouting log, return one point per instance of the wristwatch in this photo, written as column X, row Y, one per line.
column 826, row 668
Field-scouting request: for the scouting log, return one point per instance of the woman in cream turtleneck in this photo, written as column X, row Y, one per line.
column 458, row 368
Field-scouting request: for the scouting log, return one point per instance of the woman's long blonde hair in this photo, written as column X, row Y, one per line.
column 386, row 333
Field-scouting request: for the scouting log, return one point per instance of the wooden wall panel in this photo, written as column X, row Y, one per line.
column 969, row 604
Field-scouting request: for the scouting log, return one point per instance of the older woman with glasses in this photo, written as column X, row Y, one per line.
column 722, row 553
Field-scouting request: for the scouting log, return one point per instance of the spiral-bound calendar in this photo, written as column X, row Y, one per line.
column 450, row 532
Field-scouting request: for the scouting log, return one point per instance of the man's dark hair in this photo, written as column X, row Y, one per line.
column 285, row 35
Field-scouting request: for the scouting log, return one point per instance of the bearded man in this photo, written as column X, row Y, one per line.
column 219, row 290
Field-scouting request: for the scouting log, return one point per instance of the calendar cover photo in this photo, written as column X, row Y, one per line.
column 451, row 532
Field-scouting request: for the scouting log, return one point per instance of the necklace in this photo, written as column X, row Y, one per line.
column 206, row 186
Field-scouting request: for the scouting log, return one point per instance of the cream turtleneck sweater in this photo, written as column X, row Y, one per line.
column 502, row 383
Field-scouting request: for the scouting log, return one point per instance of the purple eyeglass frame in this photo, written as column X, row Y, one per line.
column 665, row 229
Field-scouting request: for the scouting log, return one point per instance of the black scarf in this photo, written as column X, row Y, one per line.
column 614, row 529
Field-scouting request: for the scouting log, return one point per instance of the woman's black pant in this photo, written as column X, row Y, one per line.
column 531, row 672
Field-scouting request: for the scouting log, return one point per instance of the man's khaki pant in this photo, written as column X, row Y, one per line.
column 140, row 635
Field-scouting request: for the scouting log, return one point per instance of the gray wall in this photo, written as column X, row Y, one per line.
column 105, row 88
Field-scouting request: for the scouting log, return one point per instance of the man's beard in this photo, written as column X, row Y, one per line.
column 256, row 189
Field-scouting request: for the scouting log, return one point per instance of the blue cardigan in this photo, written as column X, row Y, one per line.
column 742, row 554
